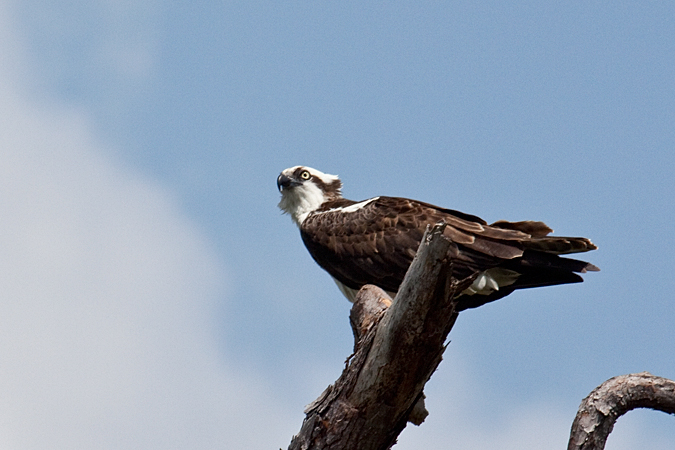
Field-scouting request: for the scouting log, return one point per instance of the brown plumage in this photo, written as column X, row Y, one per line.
column 374, row 241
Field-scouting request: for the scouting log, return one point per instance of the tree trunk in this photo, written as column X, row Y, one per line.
column 397, row 349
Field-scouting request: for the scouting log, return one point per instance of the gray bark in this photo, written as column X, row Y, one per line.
column 613, row 398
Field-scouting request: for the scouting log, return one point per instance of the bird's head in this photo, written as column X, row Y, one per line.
column 304, row 190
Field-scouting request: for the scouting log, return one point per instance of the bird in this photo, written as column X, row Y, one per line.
column 374, row 241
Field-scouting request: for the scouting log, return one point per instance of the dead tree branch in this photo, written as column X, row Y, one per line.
column 397, row 349
column 613, row 398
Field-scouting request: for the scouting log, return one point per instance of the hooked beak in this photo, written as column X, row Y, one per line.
column 285, row 182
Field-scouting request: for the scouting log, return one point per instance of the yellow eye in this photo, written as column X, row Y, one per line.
column 305, row 175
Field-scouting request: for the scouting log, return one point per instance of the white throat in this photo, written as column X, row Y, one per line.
column 300, row 201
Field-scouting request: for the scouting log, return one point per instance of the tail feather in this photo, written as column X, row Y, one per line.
column 559, row 245
column 542, row 242
column 536, row 269
column 533, row 260
column 534, row 229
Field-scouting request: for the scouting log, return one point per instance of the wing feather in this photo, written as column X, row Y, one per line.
column 376, row 243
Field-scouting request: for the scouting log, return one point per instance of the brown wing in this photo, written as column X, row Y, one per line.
column 372, row 245
column 375, row 244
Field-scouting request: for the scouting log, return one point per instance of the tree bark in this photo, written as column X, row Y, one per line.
column 613, row 398
column 398, row 346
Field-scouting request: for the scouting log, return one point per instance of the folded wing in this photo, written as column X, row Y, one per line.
column 376, row 242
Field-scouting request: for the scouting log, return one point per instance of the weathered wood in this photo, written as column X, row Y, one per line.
column 613, row 398
column 397, row 349
column 367, row 310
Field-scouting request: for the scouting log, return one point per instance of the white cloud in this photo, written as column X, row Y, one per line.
column 106, row 297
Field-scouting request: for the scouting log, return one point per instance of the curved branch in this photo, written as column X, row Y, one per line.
column 613, row 398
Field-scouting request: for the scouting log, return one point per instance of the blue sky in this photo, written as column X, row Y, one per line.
column 153, row 296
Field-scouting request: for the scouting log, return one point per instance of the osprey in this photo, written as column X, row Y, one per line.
column 374, row 241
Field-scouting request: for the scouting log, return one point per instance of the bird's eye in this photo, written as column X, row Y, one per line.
column 305, row 175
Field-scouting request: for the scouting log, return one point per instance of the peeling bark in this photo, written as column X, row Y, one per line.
column 613, row 398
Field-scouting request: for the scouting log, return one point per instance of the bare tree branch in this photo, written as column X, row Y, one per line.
column 613, row 398
column 397, row 350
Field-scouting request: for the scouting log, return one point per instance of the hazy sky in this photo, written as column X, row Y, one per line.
column 152, row 296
